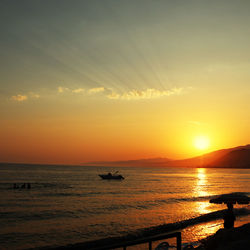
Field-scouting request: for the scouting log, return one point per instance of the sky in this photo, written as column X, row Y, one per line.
column 122, row 79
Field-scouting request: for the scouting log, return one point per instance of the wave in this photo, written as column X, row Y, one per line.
column 158, row 202
column 32, row 216
column 192, row 221
column 87, row 211
column 34, row 185
column 152, row 231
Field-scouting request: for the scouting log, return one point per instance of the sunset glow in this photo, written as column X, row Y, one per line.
column 122, row 121
column 201, row 142
column 122, row 80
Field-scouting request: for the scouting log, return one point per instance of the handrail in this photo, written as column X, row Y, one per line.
column 148, row 240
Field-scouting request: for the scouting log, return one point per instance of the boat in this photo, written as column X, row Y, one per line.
column 110, row 176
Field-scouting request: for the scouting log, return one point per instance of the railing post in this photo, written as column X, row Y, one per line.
column 150, row 245
column 178, row 240
column 146, row 240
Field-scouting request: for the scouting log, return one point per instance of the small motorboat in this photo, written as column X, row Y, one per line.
column 110, row 176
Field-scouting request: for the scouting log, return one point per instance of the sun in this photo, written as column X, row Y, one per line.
column 201, row 142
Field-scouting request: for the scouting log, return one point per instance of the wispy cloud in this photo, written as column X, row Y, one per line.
column 96, row 90
column 62, row 89
column 19, row 98
column 24, row 97
column 80, row 90
column 144, row 94
column 114, row 95
column 109, row 93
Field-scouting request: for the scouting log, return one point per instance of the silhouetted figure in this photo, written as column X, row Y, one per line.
column 229, row 217
column 28, row 186
column 15, row 186
column 23, row 186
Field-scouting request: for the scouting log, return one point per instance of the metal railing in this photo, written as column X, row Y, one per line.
column 148, row 240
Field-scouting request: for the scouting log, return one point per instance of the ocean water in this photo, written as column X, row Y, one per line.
column 72, row 204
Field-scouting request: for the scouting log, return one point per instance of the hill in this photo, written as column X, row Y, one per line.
column 238, row 157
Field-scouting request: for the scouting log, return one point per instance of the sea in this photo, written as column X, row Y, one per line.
column 72, row 204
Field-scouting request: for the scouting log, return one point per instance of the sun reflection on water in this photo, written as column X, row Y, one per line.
column 200, row 231
column 201, row 182
column 200, row 190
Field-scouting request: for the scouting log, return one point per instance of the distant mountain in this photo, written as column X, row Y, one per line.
column 238, row 157
column 220, row 158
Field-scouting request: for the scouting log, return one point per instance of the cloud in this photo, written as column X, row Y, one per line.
column 19, row 98
column 80, row 90
column 65, row 89
column 114, row 95
column 96, row 90
column 110, row 93
column 144, row 94
column 62, row 89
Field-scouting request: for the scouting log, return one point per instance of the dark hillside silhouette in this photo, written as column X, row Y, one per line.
column 238, row 157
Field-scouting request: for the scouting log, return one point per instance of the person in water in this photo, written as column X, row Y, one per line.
column 229, row 217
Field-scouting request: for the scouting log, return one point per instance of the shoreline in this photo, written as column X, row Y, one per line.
column 151, row 231
column 228, row 239
column 17, row 164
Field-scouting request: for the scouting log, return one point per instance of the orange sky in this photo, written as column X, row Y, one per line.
column 122, row 80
